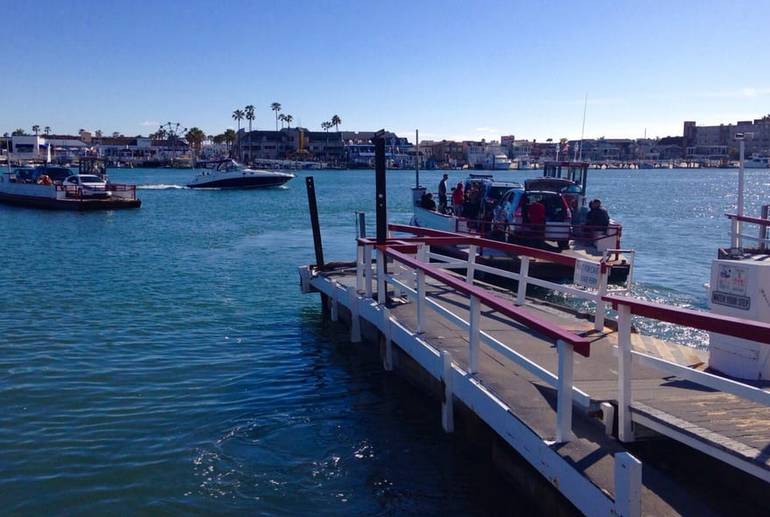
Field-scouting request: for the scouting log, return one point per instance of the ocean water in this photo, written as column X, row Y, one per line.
column 163, row 360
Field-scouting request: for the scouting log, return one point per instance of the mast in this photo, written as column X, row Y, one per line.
column 583, row 130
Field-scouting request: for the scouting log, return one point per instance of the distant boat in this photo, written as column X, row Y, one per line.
column 229, row 174
column 757, row 162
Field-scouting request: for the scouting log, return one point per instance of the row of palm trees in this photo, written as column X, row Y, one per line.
column 333, row 123
column 248, row 113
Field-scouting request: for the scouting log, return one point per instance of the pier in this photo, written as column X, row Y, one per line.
column 583, row 400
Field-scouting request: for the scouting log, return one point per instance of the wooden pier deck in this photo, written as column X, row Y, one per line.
column 733, row 427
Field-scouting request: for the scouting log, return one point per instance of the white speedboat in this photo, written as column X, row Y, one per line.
column 230, row 174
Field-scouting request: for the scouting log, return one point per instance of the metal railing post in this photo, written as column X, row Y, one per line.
column 564, row 392
column 625, row 431
column 763, row 228
column 601, row 305
column 521, row 293
column 368, row 269
column 473, row 339
column 471, row 270
column 734, row 232
column 382, row 286
column 628, row 485
column 447, row 403
column 362, row 225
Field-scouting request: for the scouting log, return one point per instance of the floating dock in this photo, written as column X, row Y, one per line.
column 585, row 414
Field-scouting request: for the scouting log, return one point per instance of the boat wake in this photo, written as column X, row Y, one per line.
column 160, row 186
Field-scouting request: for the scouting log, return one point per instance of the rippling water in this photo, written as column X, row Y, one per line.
column 162, row 359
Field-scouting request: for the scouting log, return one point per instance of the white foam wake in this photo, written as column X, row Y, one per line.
column 160, row 186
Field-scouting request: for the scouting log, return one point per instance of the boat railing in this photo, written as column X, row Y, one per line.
column 628, row 358
column 118, row 191
column 585, row 233
column 737, row 222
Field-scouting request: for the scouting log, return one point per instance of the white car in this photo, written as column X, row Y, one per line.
column 87, row 185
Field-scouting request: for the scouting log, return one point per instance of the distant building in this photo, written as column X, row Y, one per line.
column 719, row 141
column 291, row 143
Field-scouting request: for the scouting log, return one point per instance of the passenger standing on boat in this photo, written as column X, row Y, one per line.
column 442, row 194
column 458, row 196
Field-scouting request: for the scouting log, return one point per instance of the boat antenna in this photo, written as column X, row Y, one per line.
column 417, row 159
column 583, row 130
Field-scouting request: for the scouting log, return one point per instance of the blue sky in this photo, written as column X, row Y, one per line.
column 452, row 69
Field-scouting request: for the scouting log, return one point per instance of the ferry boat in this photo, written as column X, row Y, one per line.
column 60, row 188
column 496, row 213
column 229, row 174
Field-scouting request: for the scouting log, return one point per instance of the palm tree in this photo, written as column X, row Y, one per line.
column 195, row 138
column 36, row 129
column 326, row 126
column 47, row 130
column 18, row 132
column 229, row 138
column 336, row 121
column 276, row 106
column 288, row 119
column 282, row 118
column 238, row 116
column 249, row 113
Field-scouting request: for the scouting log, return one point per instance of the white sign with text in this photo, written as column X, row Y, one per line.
column 587, row 273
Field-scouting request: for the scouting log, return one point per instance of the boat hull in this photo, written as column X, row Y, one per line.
column 245, row 182
column 68, row 204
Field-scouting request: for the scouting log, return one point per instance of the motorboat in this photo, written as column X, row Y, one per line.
column 229, row 174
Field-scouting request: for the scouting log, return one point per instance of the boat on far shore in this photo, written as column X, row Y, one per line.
column 229, row 174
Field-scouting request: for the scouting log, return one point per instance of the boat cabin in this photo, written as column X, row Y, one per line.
column 566, row 178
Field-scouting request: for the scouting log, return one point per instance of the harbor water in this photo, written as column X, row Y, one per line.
column 164, row 360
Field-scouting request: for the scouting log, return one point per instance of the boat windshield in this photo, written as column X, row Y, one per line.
column 230, row 165
column 91, row 179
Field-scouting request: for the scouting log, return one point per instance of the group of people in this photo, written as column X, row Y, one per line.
column 458, row 198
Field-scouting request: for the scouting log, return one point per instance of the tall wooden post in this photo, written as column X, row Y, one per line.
column 313, row 208
column 381, row 201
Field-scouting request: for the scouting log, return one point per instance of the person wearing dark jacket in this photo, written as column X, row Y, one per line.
column 597, row 218
column 442, row 194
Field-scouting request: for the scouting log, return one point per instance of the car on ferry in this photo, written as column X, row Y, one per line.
column 558, row 216
column 86, row 185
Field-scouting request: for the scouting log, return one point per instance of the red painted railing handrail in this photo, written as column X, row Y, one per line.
column 513, row 249
column 727, row 325
column 580, row 344
column 747, row 219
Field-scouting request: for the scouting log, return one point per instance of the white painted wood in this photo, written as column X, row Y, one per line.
column 382, row 288
column 581, row 397
column 472, row 251
column 355, row 322
column 521, row 292
column 496, row 271
column 703, row 378
column 564, row 392
column 608, row 417
column 359, row 268
column 447, row 404
column 720, row 454
column 368, row 269
column 387, row 327
column 625, row 431
column 420, row 301
column 628, row 485
column 474, row 330
column 335, row 311
column 601, row 305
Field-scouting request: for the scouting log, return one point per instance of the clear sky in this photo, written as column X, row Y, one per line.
column 473, row 69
